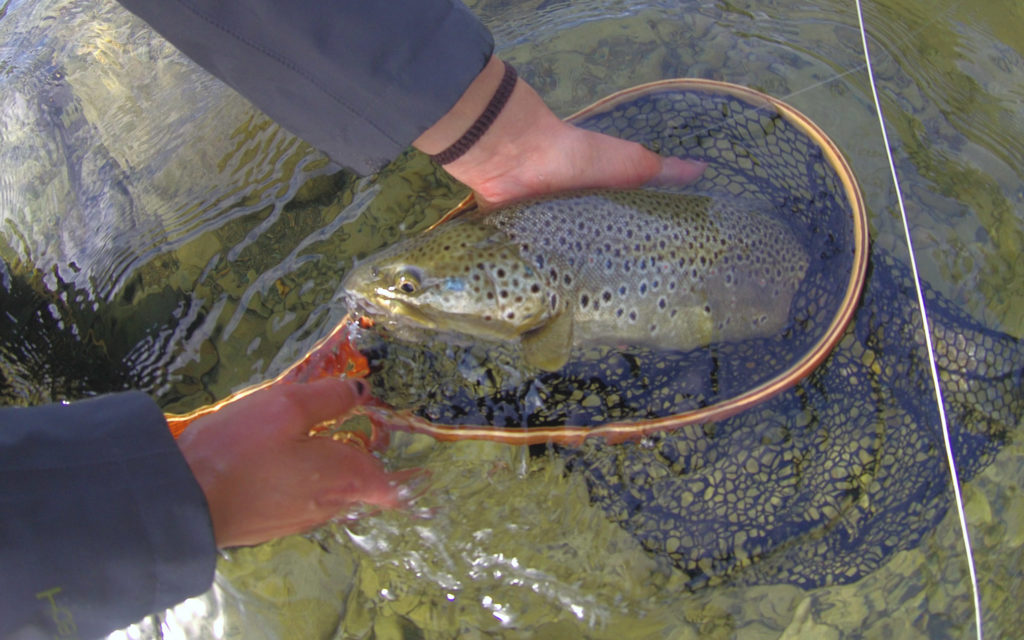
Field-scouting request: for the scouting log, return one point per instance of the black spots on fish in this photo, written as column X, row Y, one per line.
column 629, row 234
column 632, row 315
column 643, row 288
column 606, row 295
column 503, row 294
column 500, row 273
column 671, row 285
column 554, row 301
column 490, row 295
column 567, row 280
column 511, row 315
column 584, row 301
column 619, row 312
column 622, row 290
column 535, row 288
column 662, row 303
column 728, row 278
column 672, row 313
column 446, row 247
column 488, row 317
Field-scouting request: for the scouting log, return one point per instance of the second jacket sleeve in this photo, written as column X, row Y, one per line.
column 101, row 520
column 358, row 80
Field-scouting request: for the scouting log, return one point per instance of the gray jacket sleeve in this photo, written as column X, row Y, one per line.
column 101, row 520
column 358, row 79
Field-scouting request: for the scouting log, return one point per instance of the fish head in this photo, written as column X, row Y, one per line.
column 464, row 277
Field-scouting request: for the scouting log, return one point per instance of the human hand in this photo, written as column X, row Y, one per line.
column 529, row 151
column 264, row 477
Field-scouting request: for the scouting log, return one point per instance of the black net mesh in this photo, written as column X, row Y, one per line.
column 820, row 484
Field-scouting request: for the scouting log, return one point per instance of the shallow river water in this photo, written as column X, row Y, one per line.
column 157, row 232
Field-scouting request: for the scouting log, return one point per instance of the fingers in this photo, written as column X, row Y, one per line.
column 677, row 172
column 326, row 399
column 360, row 478
column 387, row 490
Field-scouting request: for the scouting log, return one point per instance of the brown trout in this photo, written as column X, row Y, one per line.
column 653, row 268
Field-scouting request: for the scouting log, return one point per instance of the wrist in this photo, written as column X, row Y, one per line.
column 205, row 470
column 454, row 124
column 521, row 152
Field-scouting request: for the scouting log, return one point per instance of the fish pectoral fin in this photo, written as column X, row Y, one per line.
column 548, row 347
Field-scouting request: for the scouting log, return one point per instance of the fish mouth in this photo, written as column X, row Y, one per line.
column 402, row 321
column 411, row 322
column 389, row 310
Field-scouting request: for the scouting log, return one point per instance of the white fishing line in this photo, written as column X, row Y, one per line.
column 950, row 457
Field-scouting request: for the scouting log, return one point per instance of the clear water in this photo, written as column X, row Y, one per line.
column 164, row 235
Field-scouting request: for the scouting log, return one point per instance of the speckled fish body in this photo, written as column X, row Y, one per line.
column 654, row 268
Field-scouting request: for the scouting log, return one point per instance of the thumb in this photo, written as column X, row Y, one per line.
column 326, row 399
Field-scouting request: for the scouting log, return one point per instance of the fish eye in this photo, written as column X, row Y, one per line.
column 408, row 280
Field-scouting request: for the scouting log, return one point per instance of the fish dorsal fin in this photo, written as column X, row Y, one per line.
column 548, row 347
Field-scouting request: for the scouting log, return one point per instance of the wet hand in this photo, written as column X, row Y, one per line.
column 529, row 151
column 264, row 477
